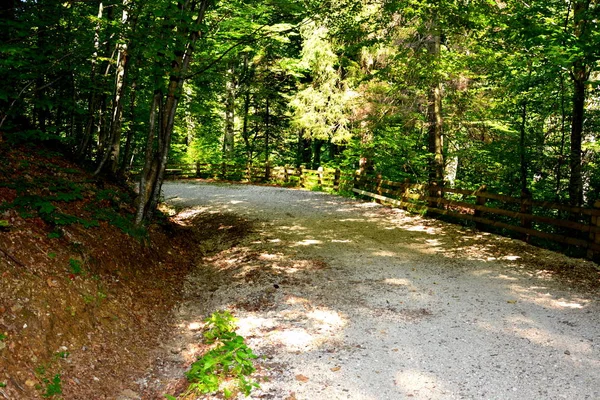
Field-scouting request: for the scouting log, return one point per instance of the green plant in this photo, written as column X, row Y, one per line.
column 2, row 384
column 2, row 336
column 228, row 365
column 49, row 387
column 75, row 266
column 55, row 234
column 53, row 387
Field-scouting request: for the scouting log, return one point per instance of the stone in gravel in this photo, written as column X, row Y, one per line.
column 129, row 394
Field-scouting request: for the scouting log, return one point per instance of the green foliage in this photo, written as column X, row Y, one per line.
column 2, row 336
column 230, row 359
column 75, row 266
column 49, row 387
column 53, row 387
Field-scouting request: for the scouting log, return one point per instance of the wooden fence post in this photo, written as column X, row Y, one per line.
column 300, row 176
column 267, row 170
column 320, row 176
column 336, row 179
column 223, row 170
column 357, row 179
column 378, row 179
column 286, row 177
column 434, row 192
column 480, row 201
column 405, row 190
column 526, row 209
column 594, row 237
column 197, row 169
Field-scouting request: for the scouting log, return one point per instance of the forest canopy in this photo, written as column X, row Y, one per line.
column 460, row 93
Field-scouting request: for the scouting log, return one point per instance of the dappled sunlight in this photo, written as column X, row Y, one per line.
column 307, row 242
column 547, row 300
column 327, row 318
column 383, row 253
column 300, row 327
column 419, row 384
column 188, row 214
column 293, row 339
column 270, row 257
column 529, row 329
column 397, row 282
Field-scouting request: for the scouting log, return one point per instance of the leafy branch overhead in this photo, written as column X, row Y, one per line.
column 495, row 93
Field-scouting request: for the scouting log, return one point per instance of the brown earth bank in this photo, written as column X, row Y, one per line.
column 83, row 304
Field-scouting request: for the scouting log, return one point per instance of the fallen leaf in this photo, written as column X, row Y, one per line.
column 301, row 378
column 292, row 396
column 52, row 282
column 511, row 301
column 335, row 369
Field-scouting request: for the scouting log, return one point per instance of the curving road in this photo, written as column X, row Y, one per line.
column 351, row 300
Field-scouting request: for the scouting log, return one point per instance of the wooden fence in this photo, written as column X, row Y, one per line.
column 330, row 178
column 575, row 226
column 560, row 223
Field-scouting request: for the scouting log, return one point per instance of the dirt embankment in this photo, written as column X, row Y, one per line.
column 83, row 304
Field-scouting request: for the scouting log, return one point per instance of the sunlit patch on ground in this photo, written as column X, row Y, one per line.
column 415, row 383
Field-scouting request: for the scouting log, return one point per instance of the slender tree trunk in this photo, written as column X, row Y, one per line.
column 154, row 169
column 435, row 132
column 579, row 74
column 85, row 140
column 245, row 133
column 230, row 88
column 316, row 159
column 522, row 148
column 130, row 132
column 110, row 161
column 576, row 182
column 561, row 151
column 267, row 129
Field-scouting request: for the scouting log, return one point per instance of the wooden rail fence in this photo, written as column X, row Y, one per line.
column 575, row 226
column 331, row 178
column 560, row 223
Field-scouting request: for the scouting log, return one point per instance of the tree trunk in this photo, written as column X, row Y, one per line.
column 130, row 132
column 156, row 161
column 579, row 74
column 522, row 148
column 435, row 132
column 267, row 128
column 86, row 138
column 230, row 88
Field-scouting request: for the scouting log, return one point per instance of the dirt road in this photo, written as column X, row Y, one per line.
column 351, row 300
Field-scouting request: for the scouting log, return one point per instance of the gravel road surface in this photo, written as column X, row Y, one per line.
column 351, row 300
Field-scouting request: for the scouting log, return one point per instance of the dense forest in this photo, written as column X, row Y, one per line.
column 457, row 92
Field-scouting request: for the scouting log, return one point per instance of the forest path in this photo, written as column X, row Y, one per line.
column 350, row 300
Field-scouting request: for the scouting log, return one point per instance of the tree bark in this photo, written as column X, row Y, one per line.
column 86, row 138
column 110, row 161
column 435, row 132
column 230, row 89
column 579, row 74
column 522, row 148
column 156, row 161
